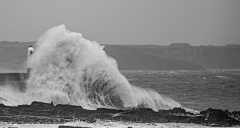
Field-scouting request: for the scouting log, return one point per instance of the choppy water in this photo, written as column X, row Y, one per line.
column 193, row 89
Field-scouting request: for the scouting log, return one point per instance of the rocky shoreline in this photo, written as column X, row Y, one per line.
column 46, row 113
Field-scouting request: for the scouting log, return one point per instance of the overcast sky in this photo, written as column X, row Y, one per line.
column 160, row 22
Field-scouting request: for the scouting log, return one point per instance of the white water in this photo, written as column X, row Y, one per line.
column 68, row 69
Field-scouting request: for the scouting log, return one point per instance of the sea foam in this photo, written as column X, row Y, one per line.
column 68, row 69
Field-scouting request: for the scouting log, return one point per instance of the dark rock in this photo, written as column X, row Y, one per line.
column 235, row 115
column 42, row 106
column 219, row 117
column 39, row 112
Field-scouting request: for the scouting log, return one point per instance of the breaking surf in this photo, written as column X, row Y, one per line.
column 69, row 69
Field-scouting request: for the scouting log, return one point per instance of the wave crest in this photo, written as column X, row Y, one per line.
column 68, row 69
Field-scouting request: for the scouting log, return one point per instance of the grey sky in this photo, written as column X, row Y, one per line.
column 161, row 22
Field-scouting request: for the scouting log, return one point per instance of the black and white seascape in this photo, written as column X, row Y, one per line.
column 68, row 69
column 140, row 64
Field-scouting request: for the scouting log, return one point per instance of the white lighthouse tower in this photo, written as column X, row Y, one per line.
column 30, row 53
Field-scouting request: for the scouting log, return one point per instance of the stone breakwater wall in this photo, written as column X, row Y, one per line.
column 16, row 80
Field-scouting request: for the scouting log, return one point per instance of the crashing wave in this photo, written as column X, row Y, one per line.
column 68, row 69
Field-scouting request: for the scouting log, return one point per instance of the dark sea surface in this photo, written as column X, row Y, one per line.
column 198, row 90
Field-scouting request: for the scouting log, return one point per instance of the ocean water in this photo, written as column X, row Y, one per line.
column 198, row 90
column 69, row 69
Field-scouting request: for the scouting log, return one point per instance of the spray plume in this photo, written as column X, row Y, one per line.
column 68, row 69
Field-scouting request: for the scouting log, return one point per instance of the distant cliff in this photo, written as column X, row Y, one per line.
column 209, row 57
column 133, row 59
column 177, row 56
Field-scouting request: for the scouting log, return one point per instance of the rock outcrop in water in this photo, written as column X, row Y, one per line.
column 39, row 112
